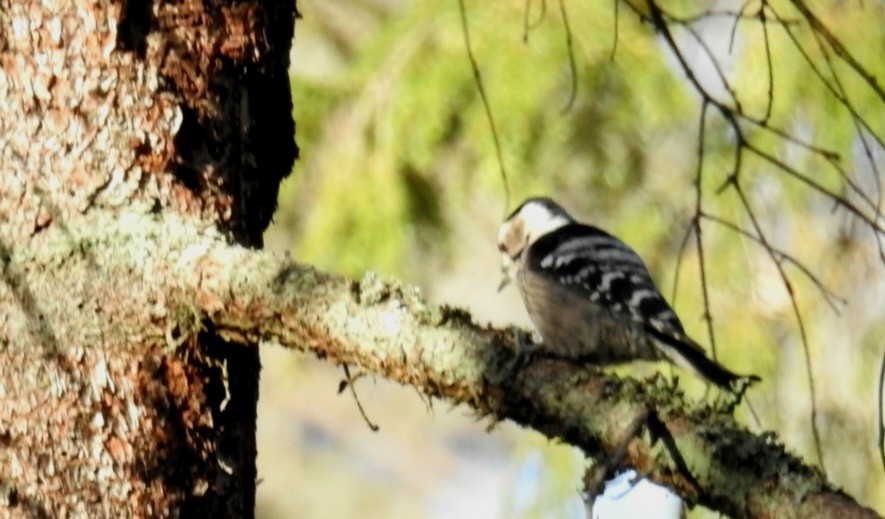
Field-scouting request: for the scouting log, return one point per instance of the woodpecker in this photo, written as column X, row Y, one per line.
column 592, row 298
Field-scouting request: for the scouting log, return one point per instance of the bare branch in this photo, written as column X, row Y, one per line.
column 842, row 100
column 699, row 242
column 882, row 412
column 477, row 77
column 799, row 321
column 770, row 100
column 838, row 48
column 617, row 25
column 859, row 126
column 573, row 67
column 872, row 222
column 747, row 128
column 830, row 296
column 737, row 18
column 716, row 67
column 528, row 26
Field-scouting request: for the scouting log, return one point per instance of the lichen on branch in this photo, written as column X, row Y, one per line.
column 161, row 278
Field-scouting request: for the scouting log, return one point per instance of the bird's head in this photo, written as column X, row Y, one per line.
column 532, row 219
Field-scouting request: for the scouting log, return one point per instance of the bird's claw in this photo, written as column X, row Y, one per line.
column 526, row 350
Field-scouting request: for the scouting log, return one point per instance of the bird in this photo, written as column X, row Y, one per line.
column 592, row 298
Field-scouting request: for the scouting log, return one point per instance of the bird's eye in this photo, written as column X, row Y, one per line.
column 501, row 247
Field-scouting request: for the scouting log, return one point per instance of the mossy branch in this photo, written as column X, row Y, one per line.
column 160, row 272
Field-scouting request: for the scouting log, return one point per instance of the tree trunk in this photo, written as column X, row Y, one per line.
column 111, row 108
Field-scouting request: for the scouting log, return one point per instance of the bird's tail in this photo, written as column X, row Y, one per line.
column 685, row 353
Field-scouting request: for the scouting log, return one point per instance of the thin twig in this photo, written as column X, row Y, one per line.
column 573, row 67
column 699, row 241
column 816, row 186
column 839, row 95
column 868, row 152
column 732, row 115
column 739, row 15
column 882, row 412
column 657, row 18
column 349, row 382
column 615, row 42
column 829, row 295
column 597, row 475
column 527, row 26
column 477, row 77
column 716, row 67
column 815, row 433
column 844, row 102
column 737, row 18
column 770, row 100
column 840, row 50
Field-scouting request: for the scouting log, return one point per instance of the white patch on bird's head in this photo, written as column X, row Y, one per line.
column 533, row 219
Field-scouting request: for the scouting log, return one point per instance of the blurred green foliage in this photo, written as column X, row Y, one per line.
column 404, row 122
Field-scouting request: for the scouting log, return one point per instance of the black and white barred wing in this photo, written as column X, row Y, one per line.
column 607, row 272
column 592, row 296
column 574, row 283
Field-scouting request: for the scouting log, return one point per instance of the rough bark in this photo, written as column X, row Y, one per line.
column 107, row 106
column 194, row 278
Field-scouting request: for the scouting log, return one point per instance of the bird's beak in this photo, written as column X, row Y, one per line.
column 504, row 282
column 506, row 271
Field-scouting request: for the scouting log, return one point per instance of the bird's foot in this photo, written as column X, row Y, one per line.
column 526, row 350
